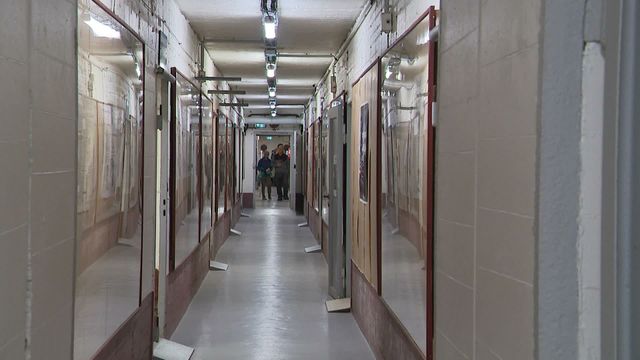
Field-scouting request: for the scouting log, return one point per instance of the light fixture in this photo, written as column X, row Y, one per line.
column 102, row 30
column 269, row 28
column 272, row 92
column 273, row 113
column 271, row 70
column 273, row 106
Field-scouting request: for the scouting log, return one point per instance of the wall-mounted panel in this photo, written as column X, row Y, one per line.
column 110, row 173
column 221, row 178
column 364, row 174
column 407, row 174
column 208, row 164
column 185, row 177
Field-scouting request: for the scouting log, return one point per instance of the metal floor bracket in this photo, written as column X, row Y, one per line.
column 168, row 350
column 304, row 224
column 338, row 305
column 218, row 266
column 313, row 249
column 236, row 232
column 245, row 215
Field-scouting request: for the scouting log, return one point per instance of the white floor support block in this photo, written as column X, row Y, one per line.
column 245, row 215
column 169, row 350
column 304, row 224
column 218, row 266
column 313, row 249
column 395, row 231
column 339, row 305
column 236, row 232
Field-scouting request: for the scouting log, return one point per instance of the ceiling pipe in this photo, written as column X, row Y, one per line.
column 201, row 72
column 345, row 45
column 219, row 78
column 269, row 120
column 226, row 41
column 305, row 55
column 227, row 92
column 268, row 115
column 233, row 104
column 281, row 106
column 434, row 33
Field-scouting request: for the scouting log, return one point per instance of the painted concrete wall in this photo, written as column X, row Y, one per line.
column 37, row 186
column 486, row 179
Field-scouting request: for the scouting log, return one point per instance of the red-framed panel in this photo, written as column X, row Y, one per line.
column 173, row 166
column 428, row 181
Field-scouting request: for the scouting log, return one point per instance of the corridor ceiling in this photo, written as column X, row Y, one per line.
column 234, row 36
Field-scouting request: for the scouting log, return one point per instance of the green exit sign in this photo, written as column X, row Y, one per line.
column 269, row 137
column 261, row 126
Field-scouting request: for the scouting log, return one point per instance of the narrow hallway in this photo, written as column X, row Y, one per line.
column 270, row 303
column 468, row 171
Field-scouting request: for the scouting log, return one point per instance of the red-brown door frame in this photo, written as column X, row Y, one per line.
column 430, row 166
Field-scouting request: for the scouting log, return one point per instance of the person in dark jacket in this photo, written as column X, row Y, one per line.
column 264, row 174
column 281, row 171
column 285, row 187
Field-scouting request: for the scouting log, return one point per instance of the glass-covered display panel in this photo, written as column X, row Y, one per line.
column 186, row 124
column 230, row 163
column 324, row 159
column 109, row 192
column 222, row 163
column 317, row 178
column 240, row 158
column 404, row 144
column 208, row 164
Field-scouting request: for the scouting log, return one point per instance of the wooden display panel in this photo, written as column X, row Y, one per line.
column 310, row 165
column 365, row 215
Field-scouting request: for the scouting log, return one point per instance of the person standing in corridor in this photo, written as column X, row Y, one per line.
column 264, row 173
column 280, row 164
column 285, row 187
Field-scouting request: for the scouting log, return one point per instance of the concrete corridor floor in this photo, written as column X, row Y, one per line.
column 270, row 303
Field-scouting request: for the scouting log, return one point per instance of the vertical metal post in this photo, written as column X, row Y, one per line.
column 628, row 189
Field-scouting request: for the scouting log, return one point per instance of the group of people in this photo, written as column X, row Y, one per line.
column 273, row 169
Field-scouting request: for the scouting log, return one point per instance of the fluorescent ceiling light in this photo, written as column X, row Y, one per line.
column 272, row 93
column 273, row 106
column 102, row 30
column 269, row 29
column 271, row 70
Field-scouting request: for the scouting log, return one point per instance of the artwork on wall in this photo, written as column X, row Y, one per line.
column 363, row 173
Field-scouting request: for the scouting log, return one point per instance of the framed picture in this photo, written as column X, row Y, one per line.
column 363, row 177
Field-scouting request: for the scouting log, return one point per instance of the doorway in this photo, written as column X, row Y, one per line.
column 268, row 181
column 164, row 80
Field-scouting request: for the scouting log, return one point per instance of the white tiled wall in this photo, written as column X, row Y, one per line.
column 485, row 179
column 37, row 186
column 38, row 156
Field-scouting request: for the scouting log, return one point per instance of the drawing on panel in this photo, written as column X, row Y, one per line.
column 364, row 153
